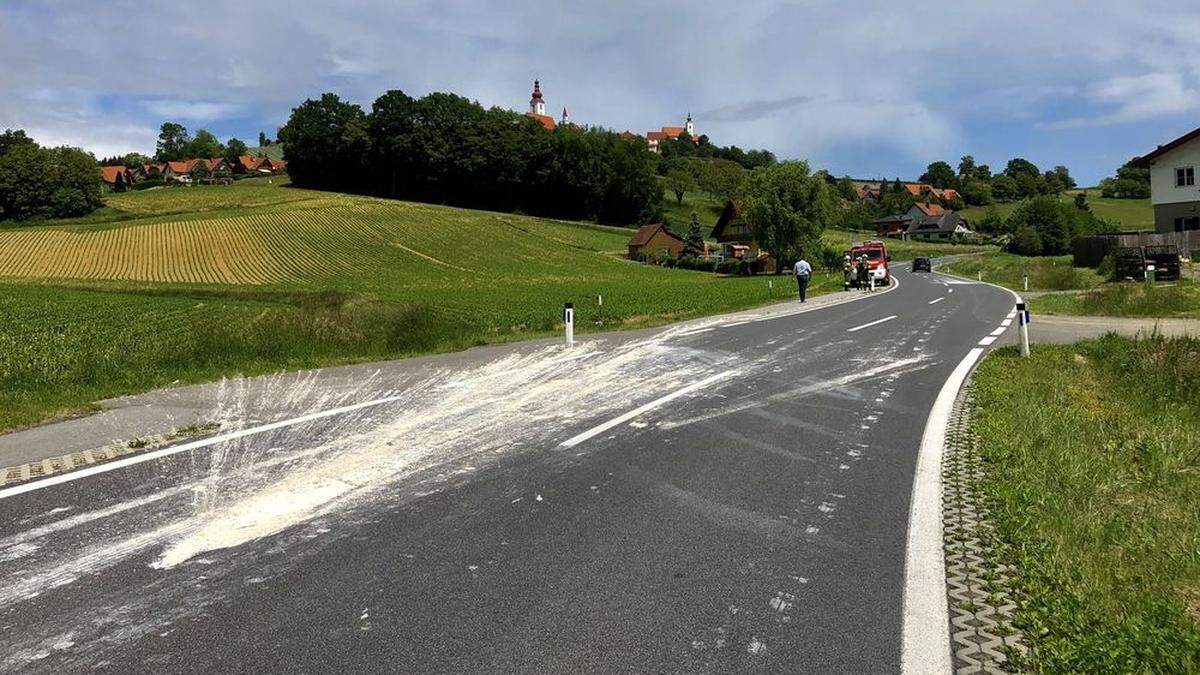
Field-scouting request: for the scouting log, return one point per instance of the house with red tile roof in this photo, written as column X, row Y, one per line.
column 116, row 178
column 654, row 238
column 653, row 138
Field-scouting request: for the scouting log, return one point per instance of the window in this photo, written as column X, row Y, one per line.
column 1185, row 224
column 1185, row 176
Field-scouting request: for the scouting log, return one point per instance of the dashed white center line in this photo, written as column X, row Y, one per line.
column 987, row 340
column 601, row 428
column 1006, row 323
column 998, row 332
column 937, row 300
column 873, row 323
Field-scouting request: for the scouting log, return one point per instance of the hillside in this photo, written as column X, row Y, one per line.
column 274, row 151
column 192, row 284
column 1132, row 214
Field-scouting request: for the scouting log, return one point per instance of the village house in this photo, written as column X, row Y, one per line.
column 654, row 238
column 1174, row 191
column 654, row 138
column 116, row 178
column 924, row 220
column 737, row 241
column 871, row 191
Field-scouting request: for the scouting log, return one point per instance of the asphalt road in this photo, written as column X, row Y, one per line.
column 726, row 496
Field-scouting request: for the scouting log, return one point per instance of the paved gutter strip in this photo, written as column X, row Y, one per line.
column 979, row 592
column 22, row 473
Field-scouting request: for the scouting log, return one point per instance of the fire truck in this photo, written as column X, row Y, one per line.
column 876, row 265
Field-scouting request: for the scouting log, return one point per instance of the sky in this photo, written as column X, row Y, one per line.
column 868, row 89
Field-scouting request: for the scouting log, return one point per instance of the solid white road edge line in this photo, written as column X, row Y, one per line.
column 868, row 325
column 926, row 642
column 176, row 449
column 601, row 428
column 936, row 301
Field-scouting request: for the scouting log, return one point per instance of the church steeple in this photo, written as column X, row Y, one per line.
column 566, row 119
column 536, row 105
column 687, row 126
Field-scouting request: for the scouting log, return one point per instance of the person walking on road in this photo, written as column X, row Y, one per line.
column 803, row 273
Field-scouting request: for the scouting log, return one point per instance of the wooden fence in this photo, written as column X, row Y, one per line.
column 1089, row 251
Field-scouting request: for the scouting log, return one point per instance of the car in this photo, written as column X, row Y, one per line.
column 922, row 264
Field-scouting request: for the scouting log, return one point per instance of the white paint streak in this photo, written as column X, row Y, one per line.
column 873, row 323
column 937, row 300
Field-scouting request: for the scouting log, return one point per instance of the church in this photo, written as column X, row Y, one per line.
column 537, row 109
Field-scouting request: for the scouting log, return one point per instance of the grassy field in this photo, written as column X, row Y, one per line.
column 1132, row 214
column 1094, row 485
column 1050, row 273
column 191, row 284
column 706, row 207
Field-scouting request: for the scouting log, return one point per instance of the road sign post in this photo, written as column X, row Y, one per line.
column 569, row 323
column 1023, row 318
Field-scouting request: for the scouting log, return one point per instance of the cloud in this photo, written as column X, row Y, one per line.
column 192, row 111
column 753, row 110
column 1136, row 98
column 804, row 79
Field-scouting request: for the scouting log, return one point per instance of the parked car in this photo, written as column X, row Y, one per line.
column 922, row 264
column 1165, row 260
column 1129, row 262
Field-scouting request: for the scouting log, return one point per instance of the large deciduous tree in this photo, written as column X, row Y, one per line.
column 173, row 141
column 234, row 149
column 326, row 143
column 46, row 182
column 940, row 175
column 787, row 207
column 679, row 180
column 205, row 145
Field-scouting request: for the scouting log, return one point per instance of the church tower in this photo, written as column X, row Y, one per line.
column 566, row 119
column 687, row 126
column 536, row 105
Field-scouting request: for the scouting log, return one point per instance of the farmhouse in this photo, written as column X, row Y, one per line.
column 737, row 240
column 867, row 190
column 116, row 178
column 1173, row 187
column 654, row 238
column 924, row 220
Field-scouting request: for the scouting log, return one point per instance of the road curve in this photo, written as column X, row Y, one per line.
column 724, row 496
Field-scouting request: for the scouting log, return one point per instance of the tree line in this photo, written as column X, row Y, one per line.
column 38, row 182
column 175, row 144
column 1020, row 179
column 684, row 146
column 444, row 148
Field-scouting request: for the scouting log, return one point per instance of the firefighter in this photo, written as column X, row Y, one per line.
column 864, row 271
column 848, row 271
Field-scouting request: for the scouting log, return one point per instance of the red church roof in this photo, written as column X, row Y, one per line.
column 545, row 120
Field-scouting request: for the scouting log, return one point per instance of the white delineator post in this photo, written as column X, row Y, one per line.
column 1025, row 282
column 1150, row 274
column 569, row 323
column 1023, row 318
column 600, row 309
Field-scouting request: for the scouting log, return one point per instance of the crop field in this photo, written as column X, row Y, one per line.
column 194, row 283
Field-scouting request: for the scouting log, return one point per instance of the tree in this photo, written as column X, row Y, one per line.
column 1026, row 241
column 173, row 141
column 1064, row 175
column 205, row 145
column 135, row 159
column 940, row 175
column 1020, row 166
column 234, row 149
column 200, row 172
column 787, row 208
column 977, row 192
column 966, row 168
column 992, row 223
column 1005, row 188
column 263, row 141
column 721, row 178
column 57, row 182
column 680, row 181
column 845, row 189
column 326, row 143
column 693, row 243
column 11, row 139
column 1081, row 201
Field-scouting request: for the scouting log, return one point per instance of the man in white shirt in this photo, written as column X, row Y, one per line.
column 803, row 272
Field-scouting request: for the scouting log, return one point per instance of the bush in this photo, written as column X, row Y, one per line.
column 69, row 202
column 726, row 266
column 1026, row 241
column 1108, row 267
column 148, row 183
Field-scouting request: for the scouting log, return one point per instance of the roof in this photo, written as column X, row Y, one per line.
column 930, row 209
column 945, row 222
column 948, row 193
column 646, row 232
column 729, row 215
column 1147, row 159
column 249, row 163
column 917, row 189
column 894, row 218
column 545, row 120
column 110, row 174
column 182, row 167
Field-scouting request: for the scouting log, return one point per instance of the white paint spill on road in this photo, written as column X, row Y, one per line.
column 937, row 300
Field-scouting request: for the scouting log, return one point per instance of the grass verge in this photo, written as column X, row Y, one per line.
column 1177, row 300
column 1050, row 273
column 1094, row 481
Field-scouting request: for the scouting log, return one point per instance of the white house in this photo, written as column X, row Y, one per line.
column 1174, row 190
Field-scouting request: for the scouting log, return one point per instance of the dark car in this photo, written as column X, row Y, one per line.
column 922, row 264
